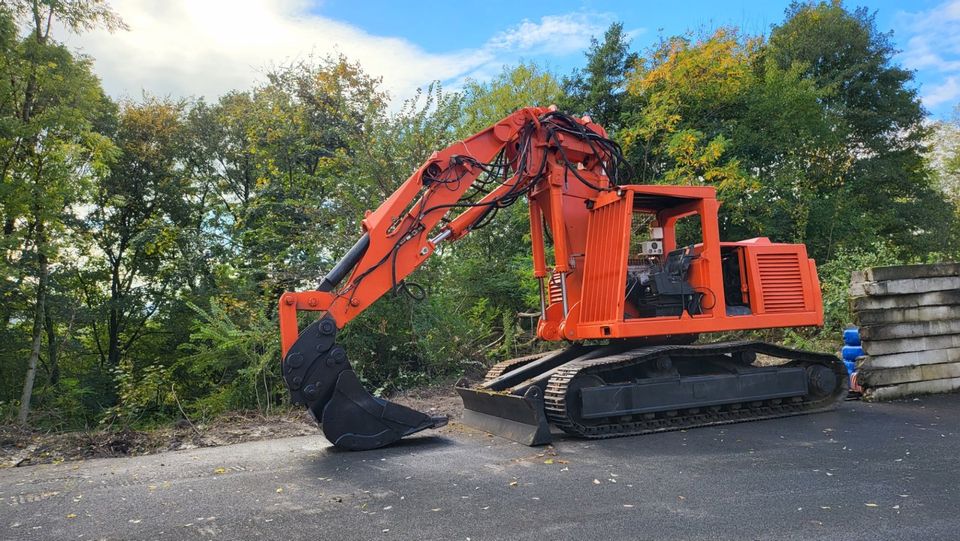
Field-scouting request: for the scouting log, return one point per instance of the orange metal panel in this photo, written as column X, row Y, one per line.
column 605, row 264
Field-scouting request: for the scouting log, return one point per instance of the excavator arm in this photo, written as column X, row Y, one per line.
column 534, row 153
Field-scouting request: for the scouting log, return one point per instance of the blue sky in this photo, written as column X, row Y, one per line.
column 438, row 26
column 208, row 47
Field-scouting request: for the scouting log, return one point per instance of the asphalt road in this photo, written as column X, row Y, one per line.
column 865, row 471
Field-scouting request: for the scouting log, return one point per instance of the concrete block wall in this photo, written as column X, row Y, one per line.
column 909, row 319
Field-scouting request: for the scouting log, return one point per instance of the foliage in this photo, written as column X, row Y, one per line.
column 876, row 188
column 232, row 357
column 835, row 280
column 523, row 85
column 145, row 243
column 599, row 89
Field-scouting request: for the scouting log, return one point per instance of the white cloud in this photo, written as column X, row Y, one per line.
column 206, row 48
column 934, row 47
column 935, row 42
column 555, row 34
column 946, row 92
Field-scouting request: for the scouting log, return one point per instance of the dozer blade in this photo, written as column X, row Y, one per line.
column 518, row 418
column 500, row 407
column 318, row 374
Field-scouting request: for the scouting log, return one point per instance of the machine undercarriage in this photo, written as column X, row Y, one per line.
column 620, row 389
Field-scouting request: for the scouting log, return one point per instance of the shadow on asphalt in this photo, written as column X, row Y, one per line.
column 416, row 443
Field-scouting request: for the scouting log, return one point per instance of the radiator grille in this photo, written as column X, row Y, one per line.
column 781, row 282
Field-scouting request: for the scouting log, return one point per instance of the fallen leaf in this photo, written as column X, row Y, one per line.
column 435, row 509
column 627, row 505
column 596, row 481
column 387, row 508
column 548, row 461
column 72, row 515
column 870, row 504
column 279, row 490
column 513, row 483
column 220, row 470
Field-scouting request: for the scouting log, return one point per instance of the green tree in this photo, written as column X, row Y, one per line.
column 599, row 89
column 139, row 211
column 523, row 85
column 50, row 146
column 881, row 190
column 687, row 91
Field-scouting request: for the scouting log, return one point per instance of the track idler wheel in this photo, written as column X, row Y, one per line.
column 822, row 381
column 318, row 374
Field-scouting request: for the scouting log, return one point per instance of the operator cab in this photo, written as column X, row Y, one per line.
column 659, row 282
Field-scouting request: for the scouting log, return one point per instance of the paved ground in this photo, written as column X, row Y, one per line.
column 881, row 471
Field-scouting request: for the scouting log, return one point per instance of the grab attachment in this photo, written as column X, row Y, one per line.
column 318, row 374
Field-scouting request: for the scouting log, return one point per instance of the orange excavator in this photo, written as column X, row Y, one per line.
column 635, row 274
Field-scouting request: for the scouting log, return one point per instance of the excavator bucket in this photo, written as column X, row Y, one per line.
column 318, row 374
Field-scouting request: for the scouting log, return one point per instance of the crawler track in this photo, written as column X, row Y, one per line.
column 503, row 367
column 557, row 390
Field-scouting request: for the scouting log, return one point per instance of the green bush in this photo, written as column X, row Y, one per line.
column 232, row 361
column 835, row 282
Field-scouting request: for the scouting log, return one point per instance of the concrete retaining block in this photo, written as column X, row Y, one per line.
column 890, row 376
column 905, row 272
column 910, row 330
column 903, row 345
column 934, row 298
column 905, row 287
column 903, row 315
column 904, row 390
column 908, row 359
column 909, row 319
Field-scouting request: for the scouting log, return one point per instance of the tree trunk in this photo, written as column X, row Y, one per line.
column 37, row 331
column 52, row 349
column 113, row 323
